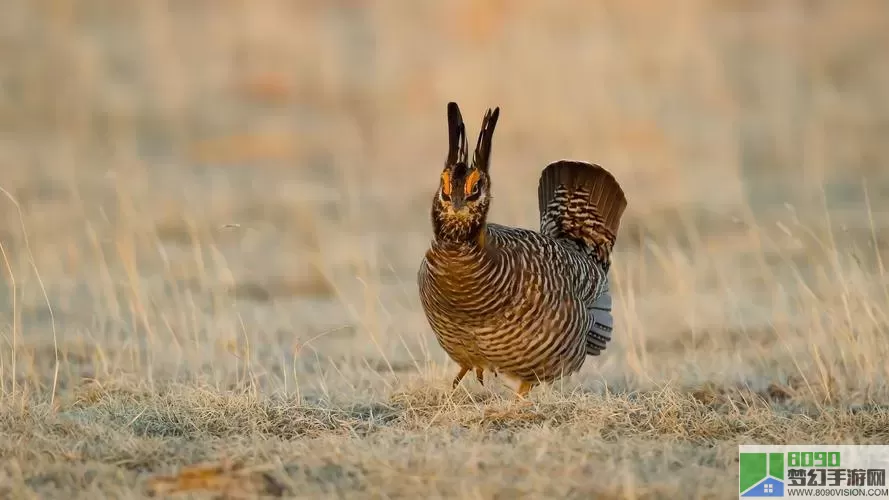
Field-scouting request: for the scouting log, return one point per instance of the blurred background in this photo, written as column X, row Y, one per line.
column 239, row 191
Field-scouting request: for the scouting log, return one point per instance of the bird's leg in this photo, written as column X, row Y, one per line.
column 524, row 389
column 480, row 376
column 459, row 377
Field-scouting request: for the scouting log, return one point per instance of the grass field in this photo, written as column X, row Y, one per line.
column 212, row 214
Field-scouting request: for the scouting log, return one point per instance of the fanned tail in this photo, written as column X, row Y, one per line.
column 582, row 202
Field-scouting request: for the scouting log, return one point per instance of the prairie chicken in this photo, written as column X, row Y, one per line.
column 524, row 304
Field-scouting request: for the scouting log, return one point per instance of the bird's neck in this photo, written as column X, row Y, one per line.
column 453, row 262
column 459, row 237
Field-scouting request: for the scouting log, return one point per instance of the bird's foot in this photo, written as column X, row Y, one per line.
column 523, row 390
column 459, row 377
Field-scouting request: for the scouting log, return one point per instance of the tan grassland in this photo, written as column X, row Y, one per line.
column 212, row 213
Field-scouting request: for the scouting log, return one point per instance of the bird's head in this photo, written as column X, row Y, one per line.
column 460, row 206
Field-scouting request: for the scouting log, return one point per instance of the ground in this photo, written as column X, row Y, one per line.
column 212, row 214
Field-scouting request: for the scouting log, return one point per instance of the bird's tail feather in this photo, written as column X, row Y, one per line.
column 582, row 202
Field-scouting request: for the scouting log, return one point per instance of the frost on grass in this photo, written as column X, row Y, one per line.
column 227, row 219
column 128, row 439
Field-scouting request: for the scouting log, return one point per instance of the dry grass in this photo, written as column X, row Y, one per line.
column 213, row 213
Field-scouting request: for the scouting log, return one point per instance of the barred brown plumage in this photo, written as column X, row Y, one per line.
column 529, row 305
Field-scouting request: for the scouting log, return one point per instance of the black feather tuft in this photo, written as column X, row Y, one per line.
column 482, row 157
column 457, row 147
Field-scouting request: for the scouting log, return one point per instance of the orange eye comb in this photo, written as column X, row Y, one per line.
column 446, row 183
column 474, row 176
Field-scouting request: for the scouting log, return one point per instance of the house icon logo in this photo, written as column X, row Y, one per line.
column 761, row 475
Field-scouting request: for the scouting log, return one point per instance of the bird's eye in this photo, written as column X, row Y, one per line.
column 475, row 192
column 444, row 196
